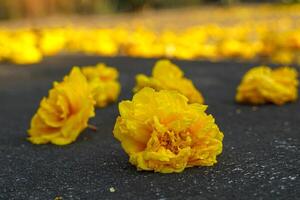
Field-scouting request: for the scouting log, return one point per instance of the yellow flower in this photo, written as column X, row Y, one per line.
column 22, row 48
column 25, row 54
column 64, row 113
column 166, row 75
column 160, row 131
column 231, row 48
column 283, row 57
column 103, row 82
column 262, row 84
column 52, row 41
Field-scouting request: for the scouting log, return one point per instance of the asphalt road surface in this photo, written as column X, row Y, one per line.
column 260, row 159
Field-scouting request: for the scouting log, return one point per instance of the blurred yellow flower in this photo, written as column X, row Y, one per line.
column 160, row 131
column 283, row 57
column 103, row 82
column 25, row 54
column 262, row 84
column 23, row 49
column 52, row 41
column 166, row 75
column 255, row 35
column 64, row 113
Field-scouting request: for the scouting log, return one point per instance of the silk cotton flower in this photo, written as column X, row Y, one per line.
column 168, row 76
column 64, row 113
column 162, row 132
column 263, row 85
column 103, row 82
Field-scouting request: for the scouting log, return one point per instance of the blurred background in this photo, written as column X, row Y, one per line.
column 214, row 30
column 12, row 9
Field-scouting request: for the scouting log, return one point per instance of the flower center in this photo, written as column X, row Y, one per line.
column 174, row 141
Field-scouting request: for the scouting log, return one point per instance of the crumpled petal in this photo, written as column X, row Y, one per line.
column 168, row 76
column 263, row 85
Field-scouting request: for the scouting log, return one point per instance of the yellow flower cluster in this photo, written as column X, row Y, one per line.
column 51, row 41
column 161, row 131
column 64, row 113
column 19, row 46
column 262, row 84
column 167, row 76
column 103, row 82
column 270, row 33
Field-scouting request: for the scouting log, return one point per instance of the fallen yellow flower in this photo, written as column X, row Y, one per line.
column 262, row 84
column 103, row 82
column 25, row 55
column 166, row 75
column 64, row 113
column 52, row 41
column 160, row 131
column 22, row 49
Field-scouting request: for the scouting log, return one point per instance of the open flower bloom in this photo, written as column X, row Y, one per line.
column 262, row 84
column 168, row 76
column 103, row 82
column 161, row 131
column 64, row 113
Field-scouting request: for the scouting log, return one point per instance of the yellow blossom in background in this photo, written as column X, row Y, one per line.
column 231, row 48
column 143, row 42
column 268, row 33
column 166, row 75
column 262, row 85
column 283, row 57
column 101, row 42
column 23, row 47
column 64, row 113
column 162, row 132
column 20, row 54
column 4, row 45
column 103, row 82
column 239, row 49
column 52, row 41
column 92, row 41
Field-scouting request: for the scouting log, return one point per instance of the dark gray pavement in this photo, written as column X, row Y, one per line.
column 260, row 159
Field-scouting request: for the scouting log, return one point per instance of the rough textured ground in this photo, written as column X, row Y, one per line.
column 260, row 159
